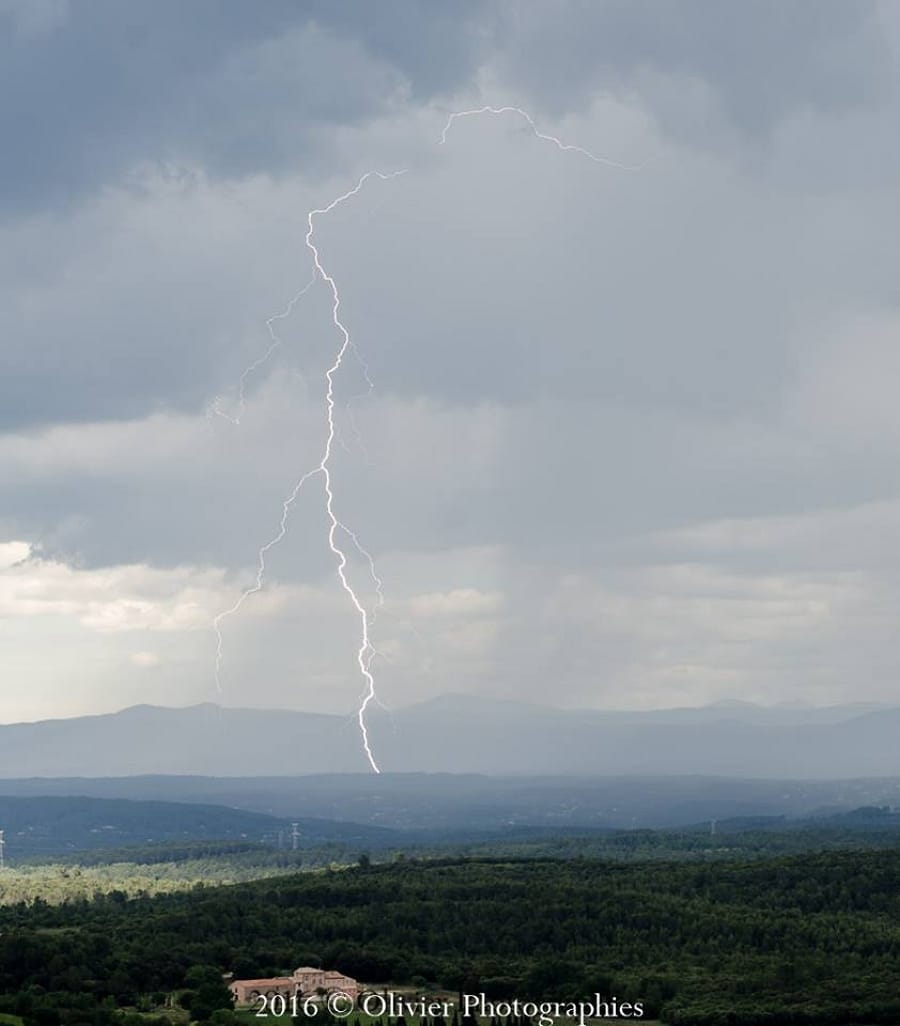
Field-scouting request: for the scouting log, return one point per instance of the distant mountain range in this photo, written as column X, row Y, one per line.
column 465, row 734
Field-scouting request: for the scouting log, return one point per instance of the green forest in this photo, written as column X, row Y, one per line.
column 163, row 868
column 811, row 939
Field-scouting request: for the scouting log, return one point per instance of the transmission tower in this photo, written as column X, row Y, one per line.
column 2, row 846
column 295, row 835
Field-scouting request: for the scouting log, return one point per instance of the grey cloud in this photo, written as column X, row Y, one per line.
column 759, row 62
column 81, row 351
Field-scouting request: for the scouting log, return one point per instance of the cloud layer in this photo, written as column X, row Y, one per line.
column 633, row 439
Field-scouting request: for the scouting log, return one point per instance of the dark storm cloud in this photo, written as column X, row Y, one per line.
column 232, row 86
column 98, row 326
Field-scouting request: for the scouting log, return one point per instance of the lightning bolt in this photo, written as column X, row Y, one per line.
column 366, row 652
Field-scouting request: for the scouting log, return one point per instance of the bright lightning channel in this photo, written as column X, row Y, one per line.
column 366, row 652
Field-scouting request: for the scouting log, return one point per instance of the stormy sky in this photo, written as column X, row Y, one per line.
column 634, row 436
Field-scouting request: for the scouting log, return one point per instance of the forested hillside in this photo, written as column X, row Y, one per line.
column 813, row 939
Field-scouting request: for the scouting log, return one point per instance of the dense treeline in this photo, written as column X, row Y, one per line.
column 760, row 837
column 809, row 939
